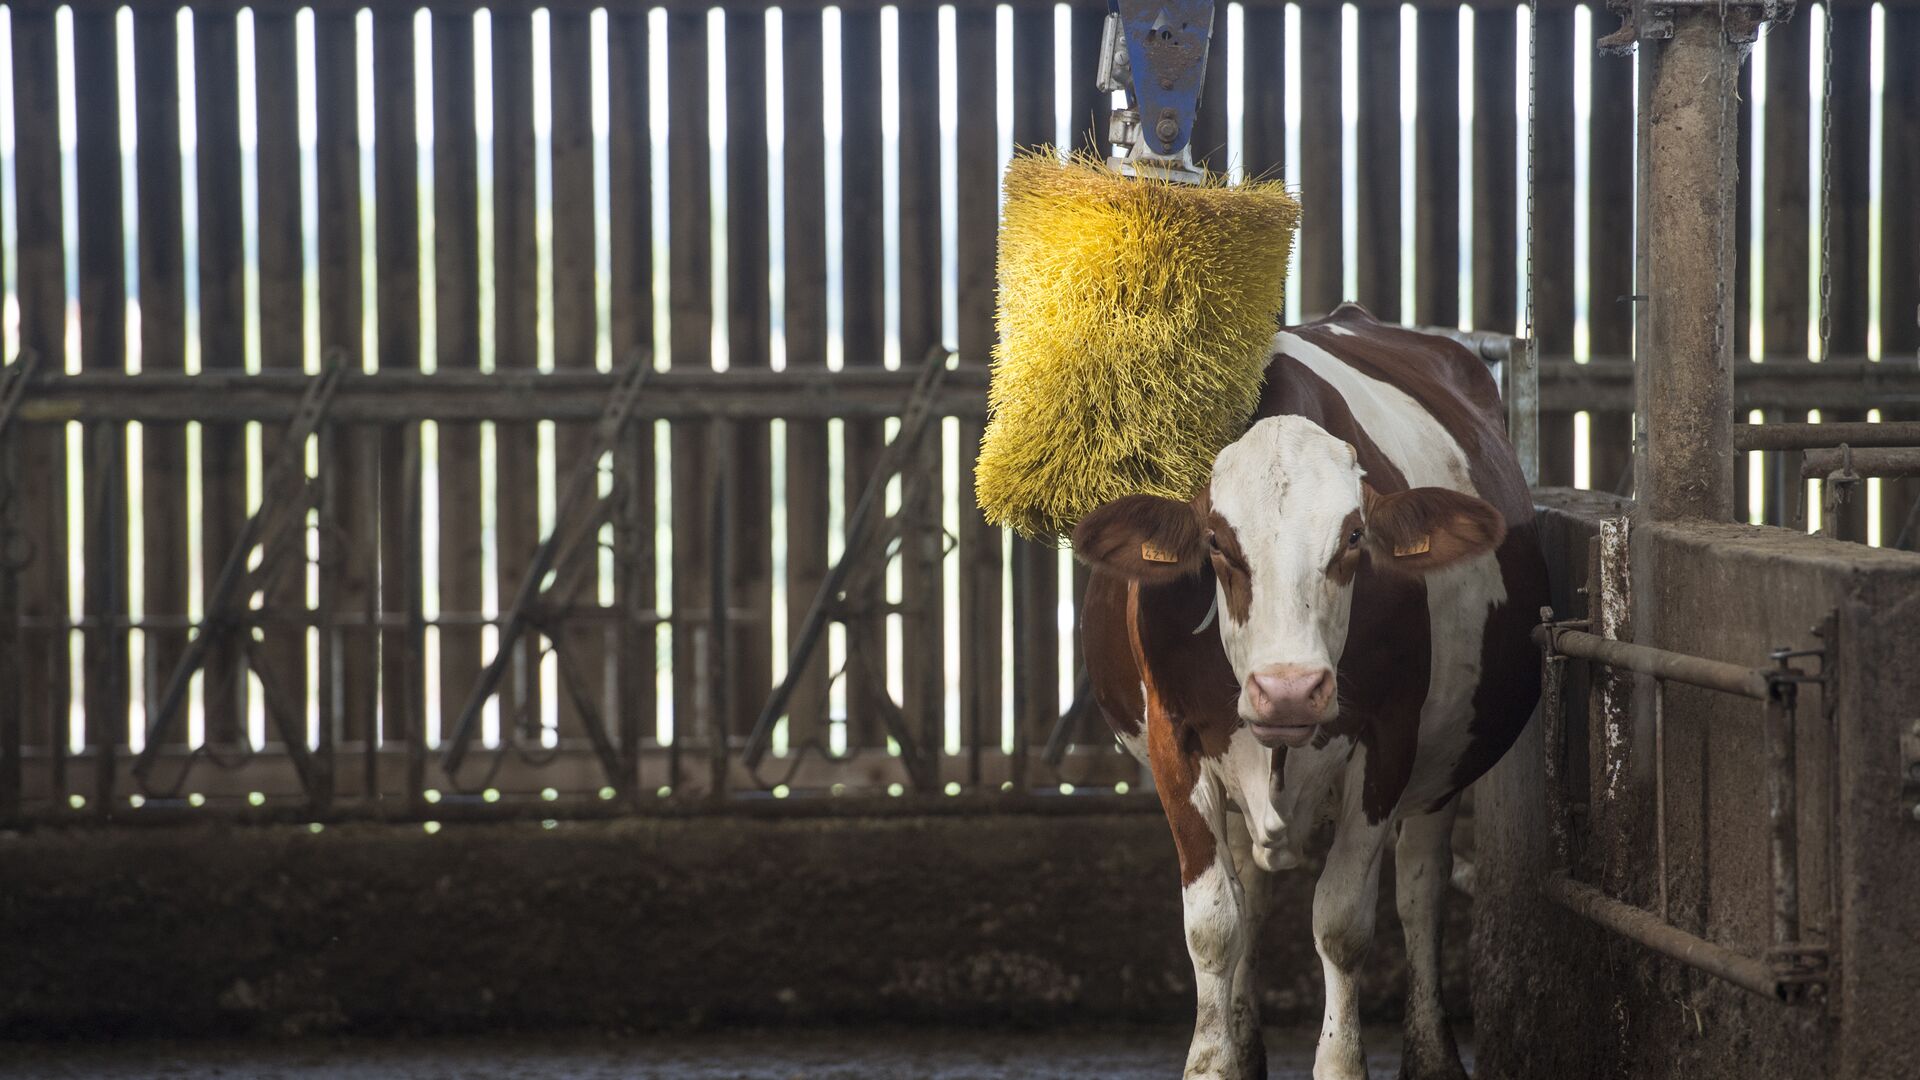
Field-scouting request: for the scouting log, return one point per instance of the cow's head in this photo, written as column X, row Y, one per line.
column 1285, row 524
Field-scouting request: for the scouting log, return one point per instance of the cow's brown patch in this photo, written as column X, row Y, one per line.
column 1176, row 769
column 1107, row 645
column 1142, row 538
column 1230, row 566
column 1348, row 556
column 1428, row 528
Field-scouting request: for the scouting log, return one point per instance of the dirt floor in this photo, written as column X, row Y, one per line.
column 1107, row 1054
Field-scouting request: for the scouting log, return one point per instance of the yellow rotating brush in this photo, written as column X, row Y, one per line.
column 1135, row 317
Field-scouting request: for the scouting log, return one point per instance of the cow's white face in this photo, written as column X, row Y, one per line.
column 1284, row 530
column 1287, row 523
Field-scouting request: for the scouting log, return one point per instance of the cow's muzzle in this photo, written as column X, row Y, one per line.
column 1283, row 703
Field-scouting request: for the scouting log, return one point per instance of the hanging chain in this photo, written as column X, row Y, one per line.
column 1826, row 189
column 1533, row 338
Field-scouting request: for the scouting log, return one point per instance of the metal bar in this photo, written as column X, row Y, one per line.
column 914, row 419
column 1782, row 816
column 1553, row 675
column 13, row 384
column 720, row 446
column 1816, row 436
column 1659, row 663
column 1660, row 792
column 616, row 411
column 224, row 599
column 1824, row 464
column 1649, row 930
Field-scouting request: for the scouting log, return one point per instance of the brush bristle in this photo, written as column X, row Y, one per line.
column 1135, row 318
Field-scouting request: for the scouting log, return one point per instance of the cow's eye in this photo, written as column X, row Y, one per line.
column 1213, row 542
column 1354, row 537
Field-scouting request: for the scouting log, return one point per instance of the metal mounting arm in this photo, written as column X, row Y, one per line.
column 1156, row 50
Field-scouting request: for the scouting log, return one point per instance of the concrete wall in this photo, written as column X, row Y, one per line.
column 1556, row 996
column 624, row 925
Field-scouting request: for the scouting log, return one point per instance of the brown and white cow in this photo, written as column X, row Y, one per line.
column 1366, row 550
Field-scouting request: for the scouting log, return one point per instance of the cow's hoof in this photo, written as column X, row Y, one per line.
column 1224, row 1061
column 1432, row 1063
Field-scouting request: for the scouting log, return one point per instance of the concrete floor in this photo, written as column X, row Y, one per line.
column 1104, row 1053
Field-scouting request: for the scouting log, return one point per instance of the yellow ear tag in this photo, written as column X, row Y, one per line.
column 1151, row 553
column 1418, row 547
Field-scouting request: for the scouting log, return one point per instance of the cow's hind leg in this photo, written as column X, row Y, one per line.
column 1423, row 867
column 1256, row 891
column 1344, row 900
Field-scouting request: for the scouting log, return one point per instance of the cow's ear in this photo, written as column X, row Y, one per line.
column 1142, row 538
column 1427, row 528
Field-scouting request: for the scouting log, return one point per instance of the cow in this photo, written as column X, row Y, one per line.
column 1335, row 627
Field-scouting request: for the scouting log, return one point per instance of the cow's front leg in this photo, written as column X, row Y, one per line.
column 1212, row 902
column 1343, row 907
column 1423, row 868
column 1256, row 894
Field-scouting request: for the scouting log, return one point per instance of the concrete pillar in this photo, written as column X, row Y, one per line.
column 1683, row 383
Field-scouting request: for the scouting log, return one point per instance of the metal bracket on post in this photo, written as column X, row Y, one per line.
column 1156, row 50
column 869, row 537
column 283, row 506
column 557, row 555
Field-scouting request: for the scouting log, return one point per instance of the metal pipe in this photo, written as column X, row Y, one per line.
column 1688, row 133
column 1647, row 929
column 1782, row 815
column 1553, row 673
column 1659, row 663
column 1823, row 464
column 1818, row 436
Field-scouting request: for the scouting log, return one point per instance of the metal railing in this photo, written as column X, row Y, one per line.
column 1790, row 967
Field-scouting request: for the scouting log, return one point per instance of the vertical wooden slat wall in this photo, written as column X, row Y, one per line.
column 976, row 211
column 43, row 464
column 1783, row 279
column 863, row 339
column 163, row 335
column 1900, row 249
column 1553, row 210
column 397, row 316
column 516, row 343
column 630, row 329
column 1496, row 79
column 581, row 654
column 1036, row 565
column 373, row 635
column 1436, row 150
column 690, row 299
column 923, row 544
column 804, row 174
column 749, row 330
column 456, row 307
column 1377, row 164
column 1322, row 259
column 282, row 656
column 1609, row 210
column 103, row 340
column 222, row 325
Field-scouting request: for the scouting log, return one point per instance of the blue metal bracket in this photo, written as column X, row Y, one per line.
column 1166, row 50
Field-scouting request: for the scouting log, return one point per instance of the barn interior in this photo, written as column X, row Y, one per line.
column 490, row 578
